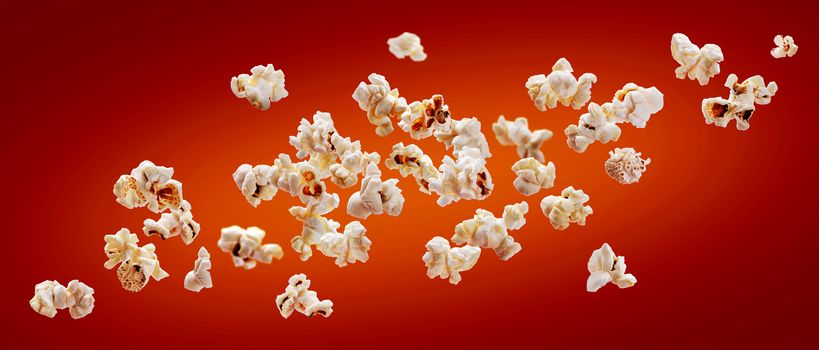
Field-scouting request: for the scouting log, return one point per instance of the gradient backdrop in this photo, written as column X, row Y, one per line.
column 721, row 232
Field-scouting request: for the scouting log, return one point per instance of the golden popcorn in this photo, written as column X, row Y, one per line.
column 298, row 297
column 695, row 63
column 516, row 133
column 264, row 85
column 626, row 165
column 411, row 160
column 604, row 267
column 567, row 208
column 376, row 196
column 246, row 248
column 486, row 231
column 50, row 296
column 592, row 126
column 380, row 102
column 199, row 277
column 137, row 265
column 467, row 178
column 422, row 119
column 176, row 223
column 741, row 102
column 149, row 185
column 560, row 86
column 314, row 225
column 407, row 45
column 784, row 47
column 349, row 247
column 532, row 176
column 448, row 263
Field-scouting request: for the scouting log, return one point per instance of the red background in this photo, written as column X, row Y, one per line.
column 720, row 232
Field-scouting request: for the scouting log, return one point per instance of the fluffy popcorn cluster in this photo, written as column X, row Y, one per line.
column 176, row 223
column 485, row 230
column 376, row 196
column 246, row 248
column 347, row 247
column 199, row 277
column 137, row 265
column 380, row 102
column 560, row 86
column 407, row 45
column 464, row 178
column 263, row 86
column 740, row 105
column 532, row 176
column 422, row 119
column 784, row 47
column 516, row 133
column 314, row 225
column 297, row 296
column 149, row 185
column 626, row 165
column 592, row 126
column 445, row 262
column 568, row 207
column 695, row 63
column 461, row 134
column 50, row 296
column 605, row 267
column 411, row 160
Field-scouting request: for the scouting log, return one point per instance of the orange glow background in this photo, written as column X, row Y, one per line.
column 720, row 232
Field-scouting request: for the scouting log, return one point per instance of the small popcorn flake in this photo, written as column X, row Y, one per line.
column 380, row 102
column 407, row 45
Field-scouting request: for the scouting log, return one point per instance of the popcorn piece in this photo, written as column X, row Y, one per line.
column 246, row 248
column 49, row 296
column 592, row 126
column 626, row 165
column 486, row 231
column 407, row 45
column 411, row 160
column 701, row 64
column 517, row 133
column 176, row 223
column 380, row 102
column 605, row 267
column 375, row 196
column 314, row 224
column 445, row 262
column 740, row 104
column 467, row 178
column 784, row 47
column 422, row 119
column 314, row 138
column 199, row 277
column 560, row 86
column 264, row 85
column 298, row 297
column 353, row 161
column 137, row 265
column 349, row 247
column 149, row 185
column 634, row 104
column 567, row 208
column 532, row 176
column 257, row 183
column 463, row 133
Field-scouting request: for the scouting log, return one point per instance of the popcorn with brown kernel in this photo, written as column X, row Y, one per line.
column 411, row 160
column 464, row 178
column 784, row 47
column 422, row 119
column 246, row 248
column 298, row 297
column 626, row 165
column 697, row 63
column 487, row 231
column 149, row 185
column 593, row 126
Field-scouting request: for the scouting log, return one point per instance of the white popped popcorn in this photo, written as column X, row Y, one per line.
column 411, row 160
column 264, row 85
column 298, row 297
column 380, row 102
column 246, row 248
column 176, row 223
column 149, row 185
column 422, row 119
column 532, row 176
column 634, row 104
column 605, row 267
column 353, row 161
column 592, row 126
column 696, row 63
column 560, row 86
column 50, row 296
column 568, row 207
column 486, row 231
column 376, row 196
column 407, row 45
column 314, row 224
column 626, row 165
column 516, row 133
column 463, row 133
column 257, row 183
column 445, row 262
column 137, row 265
column 199, row 277
column 314, row 138
column 740, row 104
column 349, row 247
column 784, row 47
column 467, row 178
